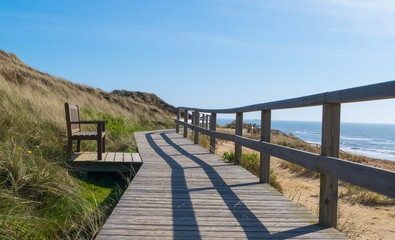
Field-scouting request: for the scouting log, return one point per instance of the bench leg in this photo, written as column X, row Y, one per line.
column 99, row 149
column 78, row 145
column 70, row 148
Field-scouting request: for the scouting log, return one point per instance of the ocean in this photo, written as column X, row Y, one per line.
column 371, row 140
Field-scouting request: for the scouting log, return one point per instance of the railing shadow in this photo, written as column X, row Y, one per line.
column 243, row 214
column 178, row 181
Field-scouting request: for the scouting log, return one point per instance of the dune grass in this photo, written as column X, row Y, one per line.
column 39, row 198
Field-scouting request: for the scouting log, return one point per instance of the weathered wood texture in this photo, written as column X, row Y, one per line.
column 186, row 121
column 111, row 162
column 107, row 157
column 213, row 128
column 178, row 118
column 264, row 172
column 239, row 132
column 197, row 123
column 330, row 146
column 365, row 93
column 183, row 192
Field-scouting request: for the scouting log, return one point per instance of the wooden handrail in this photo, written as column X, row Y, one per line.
column 377, row 91
column 330, row 167
column 379, row 180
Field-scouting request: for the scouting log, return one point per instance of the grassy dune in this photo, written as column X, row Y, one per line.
column 39, row 199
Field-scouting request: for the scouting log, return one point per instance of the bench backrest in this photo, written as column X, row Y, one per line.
column 72, row 115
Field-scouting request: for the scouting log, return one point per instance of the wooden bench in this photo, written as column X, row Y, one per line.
column 74, row 131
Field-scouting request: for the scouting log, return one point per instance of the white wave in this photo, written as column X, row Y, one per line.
column 373, row 153
column 356, row 138
column 382, row 142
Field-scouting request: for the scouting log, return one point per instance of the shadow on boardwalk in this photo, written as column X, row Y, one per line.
column 249, row 222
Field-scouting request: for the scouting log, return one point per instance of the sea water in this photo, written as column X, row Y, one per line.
column 371, row 140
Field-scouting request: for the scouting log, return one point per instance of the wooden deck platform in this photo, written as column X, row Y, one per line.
column 107, row 157
column 85, row 162
column 183, row 192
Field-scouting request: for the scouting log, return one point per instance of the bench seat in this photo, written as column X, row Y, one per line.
column 86, row 135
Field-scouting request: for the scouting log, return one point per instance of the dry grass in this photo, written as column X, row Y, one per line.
column 42, row 93
column 39, row 199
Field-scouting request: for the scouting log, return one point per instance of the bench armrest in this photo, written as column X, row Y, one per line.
column 89, row 122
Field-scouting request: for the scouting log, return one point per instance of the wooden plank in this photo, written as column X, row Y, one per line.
column 110, row 157
column 104, row 155
column 127, row 157
column 264, row 172
column 385, row 90
column 239, row 132
column 330, row 146
column 136, row 158
column 83, row 157
column 92, row 156
column 118, row 157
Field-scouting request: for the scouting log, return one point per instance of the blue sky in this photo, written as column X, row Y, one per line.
column 212, row 54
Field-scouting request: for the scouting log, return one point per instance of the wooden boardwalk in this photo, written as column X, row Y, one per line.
column 183, row 192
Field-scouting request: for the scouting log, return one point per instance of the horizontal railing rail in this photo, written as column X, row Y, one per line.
column 377, row 91
column 375, row 179
column 328, row 164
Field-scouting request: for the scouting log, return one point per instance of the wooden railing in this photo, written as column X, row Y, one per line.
column 328, row 164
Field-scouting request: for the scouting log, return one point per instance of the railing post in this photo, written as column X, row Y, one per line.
column 239, row 132
column 329, row 147
column 178, row 119
column 196, row 132
column 213, row 127
column 193, row 122
column 207, row 116
column 186, row 121
column 203, row 117
column 264, row 174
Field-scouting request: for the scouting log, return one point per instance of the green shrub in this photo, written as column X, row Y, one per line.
column 116, row 126
column 251, row 162
column 118, row 129
column 229, row 156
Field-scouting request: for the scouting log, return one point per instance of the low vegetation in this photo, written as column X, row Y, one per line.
column 39, row 198
column 251, row 162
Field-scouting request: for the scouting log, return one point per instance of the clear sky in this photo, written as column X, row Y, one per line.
column 212, row 54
